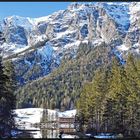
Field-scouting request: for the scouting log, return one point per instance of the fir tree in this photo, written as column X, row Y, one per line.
column 133, row 98
column 7, row 100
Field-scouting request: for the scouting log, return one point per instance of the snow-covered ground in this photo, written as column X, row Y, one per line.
column 122, row 48
column 68, row 113
column 106, row 136
column 34, row 115
column 69, row 136
column 28, row 116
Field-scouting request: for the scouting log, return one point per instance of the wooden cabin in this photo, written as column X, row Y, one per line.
column 66, row 120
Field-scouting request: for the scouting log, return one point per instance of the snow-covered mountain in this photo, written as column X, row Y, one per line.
column 38, row 45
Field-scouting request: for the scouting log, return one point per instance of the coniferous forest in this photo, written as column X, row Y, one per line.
column 111, row 102
column 105, row 93
column 77, row 69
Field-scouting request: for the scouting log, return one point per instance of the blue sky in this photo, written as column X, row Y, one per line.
column 30, row 9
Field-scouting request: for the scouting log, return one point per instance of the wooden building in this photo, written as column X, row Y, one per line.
column 66, row 120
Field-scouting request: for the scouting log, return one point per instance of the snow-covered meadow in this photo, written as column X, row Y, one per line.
column 25, row 118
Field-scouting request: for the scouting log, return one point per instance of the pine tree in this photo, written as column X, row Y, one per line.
column 93, row 99
column 133, row 98
column 7, row 100
column 117, row 94
column 112, row 100
column 84, row 106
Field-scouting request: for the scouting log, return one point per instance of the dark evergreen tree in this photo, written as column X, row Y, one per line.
column 133, row 98
column 93, row 99
column 112, row 100
column 7, row 99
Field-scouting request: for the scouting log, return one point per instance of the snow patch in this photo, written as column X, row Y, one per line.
column 9, row 49
column 34, row 115
column 97, row 42
column 46, row 51
column 69, row 113
column 29, row 115
column 61, row 34
column 36, row 134
column 120, row 13
column 19, row 21
column 85, row 41
column 122, row 48
column 69, row 136
column 134, row 9
column 72, row 45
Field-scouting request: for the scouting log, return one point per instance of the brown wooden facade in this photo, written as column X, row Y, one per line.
column 66, row 120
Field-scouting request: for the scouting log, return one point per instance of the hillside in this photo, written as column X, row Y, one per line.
column 55, row 55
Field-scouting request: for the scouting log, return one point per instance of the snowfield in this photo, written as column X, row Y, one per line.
column 28, row 116
column 34, row 115
column 69, row 113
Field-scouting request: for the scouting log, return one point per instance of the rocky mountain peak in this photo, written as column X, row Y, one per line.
column 59, row 34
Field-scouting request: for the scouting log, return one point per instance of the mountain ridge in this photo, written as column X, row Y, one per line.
column 65, row 29
column 39, row 46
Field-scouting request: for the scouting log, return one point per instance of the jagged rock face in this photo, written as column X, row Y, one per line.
column 38, row 45
column 18, row 39
column 132, row 38
column 36, row 63
column 16, row 32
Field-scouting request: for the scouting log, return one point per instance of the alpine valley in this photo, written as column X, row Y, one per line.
column 55, row 55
